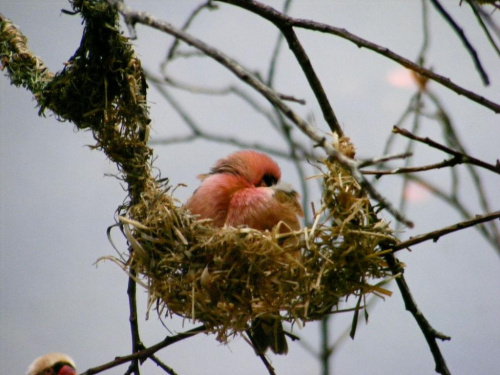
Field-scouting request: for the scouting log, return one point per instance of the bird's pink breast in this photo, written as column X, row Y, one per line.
column 213, row 198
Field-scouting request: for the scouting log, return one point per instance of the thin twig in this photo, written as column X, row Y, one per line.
column 424, row 168
column 271, row 14
column 231, row 89
column 145, row 353
column 460, row 156
column 262, row 356
column 134, row 324
column 276, row 51
column 383, row 159
column 217, row 91
column 131, row 17
column 437, row 234
column 455, row 203
column 199, row 133
column 162, row 365
column 314, row 82
column 325, row 349
column 461, row 35
column 285, row 128
column 426, row 33
column 489, row 20
column 483, row 26
column 453, row 140
column 430, row 334
column 173, row 48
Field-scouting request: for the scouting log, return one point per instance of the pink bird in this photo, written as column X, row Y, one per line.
column 244, row 189
column 52, row 364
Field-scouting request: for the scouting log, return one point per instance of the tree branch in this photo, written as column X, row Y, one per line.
column 304, row 62
column 275, row 16
column 145, row 353
column 173, row 48
column 162, row 365
column 24, row 68
column 430, row 334
column 477, row 13
column 454, row 202
column 198, row 132
column 137, row 345
column 459, row 156
column 277, row 49
column 437, row 234
column 424, row 168
column 461, row 35
column 132, row 17
column 312, row 78
column 262, row 356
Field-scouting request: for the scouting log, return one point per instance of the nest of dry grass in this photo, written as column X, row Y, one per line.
column 226, row 277
column 221, row 277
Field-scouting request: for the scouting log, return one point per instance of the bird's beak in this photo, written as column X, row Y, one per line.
column 67, row 370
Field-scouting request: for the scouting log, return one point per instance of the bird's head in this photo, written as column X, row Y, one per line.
column 244, row 188
column 53, row 364
column 256, row 168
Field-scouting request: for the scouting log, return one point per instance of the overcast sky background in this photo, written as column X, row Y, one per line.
column 56, row 201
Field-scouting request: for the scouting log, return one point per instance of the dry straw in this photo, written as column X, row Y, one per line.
column 221, row 277
column 226, row 277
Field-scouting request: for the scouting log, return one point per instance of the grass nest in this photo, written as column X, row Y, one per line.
column 227, row 277
column 221, row 277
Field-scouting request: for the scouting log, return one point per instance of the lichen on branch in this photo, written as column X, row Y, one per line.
column 102, row 88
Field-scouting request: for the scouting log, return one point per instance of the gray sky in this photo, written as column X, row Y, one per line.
column 56, row 201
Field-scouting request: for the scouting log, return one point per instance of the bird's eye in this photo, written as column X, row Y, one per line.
column 268, row 180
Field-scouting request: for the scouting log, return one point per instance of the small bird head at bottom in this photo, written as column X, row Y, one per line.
column 52, row 364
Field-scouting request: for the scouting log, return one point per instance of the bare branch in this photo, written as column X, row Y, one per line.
column 262, row 356
column 145, row 353
column 162, row 365
column 468, row 46
column 275, row 16
column 277, row 48
column 488, row 18
column 477, row 13
column 199, row 133
column 132, row 17
column 459, row 156
column 437, row 234
column 446, row 163
column 383, row 159
column 173, row 48
column 134, row 324
column 460, row 207
column 454, row 141
column 218, row 91
column 430, row 334
column 314, row 82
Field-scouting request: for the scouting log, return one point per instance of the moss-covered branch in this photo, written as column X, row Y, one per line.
column 102, row 88
column 23, row 67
